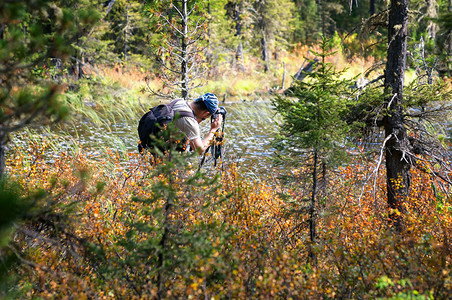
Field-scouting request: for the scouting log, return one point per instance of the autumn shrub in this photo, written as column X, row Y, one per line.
column 98, row 233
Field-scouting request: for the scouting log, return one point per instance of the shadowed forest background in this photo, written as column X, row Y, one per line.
column 335, row 178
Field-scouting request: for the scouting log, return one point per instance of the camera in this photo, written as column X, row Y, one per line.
column 221, row 110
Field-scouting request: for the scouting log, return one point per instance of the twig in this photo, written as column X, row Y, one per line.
column 390, row 102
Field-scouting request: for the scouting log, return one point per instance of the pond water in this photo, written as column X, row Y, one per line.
column 249, row 130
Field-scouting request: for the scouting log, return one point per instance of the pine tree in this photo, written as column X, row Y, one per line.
column 313, row 130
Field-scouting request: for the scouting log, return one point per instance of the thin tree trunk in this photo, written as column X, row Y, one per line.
column 239, row 52
column 449, row 38
column 372, row 9
column 163, row 243
column 2, row 31
column 2, row 157
column 324, row 182
column 238, row 19
column 312, row 211
column 264, row 51
column 109, row 7
column 283, row 76
column 397, row 163
column 184, row 64
column 125, row 34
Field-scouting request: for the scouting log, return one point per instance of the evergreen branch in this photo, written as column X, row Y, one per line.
column 24, row 122
column 373, row 81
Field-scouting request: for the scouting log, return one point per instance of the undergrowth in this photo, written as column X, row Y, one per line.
column 233, row 238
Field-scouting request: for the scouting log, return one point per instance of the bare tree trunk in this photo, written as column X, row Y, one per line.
column 397, row 163
column 260, row 10
column 264, row 47
column 109, row 7
column 126, row 28
column 184, row 48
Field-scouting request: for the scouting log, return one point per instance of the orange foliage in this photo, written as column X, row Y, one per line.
column 358, row 254
column 126, row 77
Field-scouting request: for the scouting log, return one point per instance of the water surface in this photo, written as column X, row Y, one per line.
column 249, row 130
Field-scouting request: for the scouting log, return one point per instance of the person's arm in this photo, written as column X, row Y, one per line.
column 202, row 145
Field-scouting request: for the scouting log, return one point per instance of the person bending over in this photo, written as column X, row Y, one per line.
column 190, row 115
column 203, row 108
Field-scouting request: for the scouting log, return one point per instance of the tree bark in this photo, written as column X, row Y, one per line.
column 313, row 211
column 372, row 9
column 397, row 163
column 238, row 20
column 234, row 10
column 126, row 28
column 449, row 36
column 260, row 8
column 264, row 51
column 184, row 48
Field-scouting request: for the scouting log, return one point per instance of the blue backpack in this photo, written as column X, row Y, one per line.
column 152, row 122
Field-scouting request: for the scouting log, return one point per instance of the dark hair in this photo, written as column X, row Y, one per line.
column 201, row 105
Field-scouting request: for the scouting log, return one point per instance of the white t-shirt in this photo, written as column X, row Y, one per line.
column 187, row 125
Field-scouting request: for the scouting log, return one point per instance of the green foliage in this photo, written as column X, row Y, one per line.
column 273, row 23
column 314, row 133
column 34, row 33
column 129, row 29
column 308, row 29
column 426, row 105
column 12, row 209
column 312, row 115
